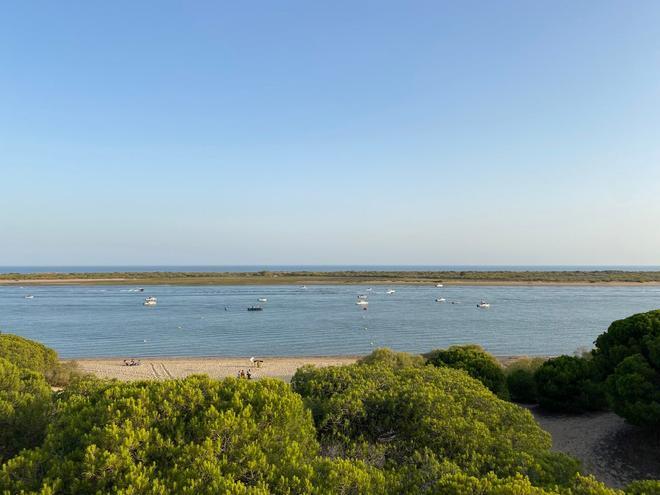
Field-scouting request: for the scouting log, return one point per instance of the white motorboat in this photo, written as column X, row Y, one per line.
column 29, row 296
column 362, row 302
column 391, row 291
column 483, row 305
column 440, row 299
column 439, row 285
column 262, row 299
column 150, row 301
column 362, row 297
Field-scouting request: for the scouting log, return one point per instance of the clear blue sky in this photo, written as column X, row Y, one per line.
column 330, row 132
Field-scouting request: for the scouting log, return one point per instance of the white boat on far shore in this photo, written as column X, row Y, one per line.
column 150, row 301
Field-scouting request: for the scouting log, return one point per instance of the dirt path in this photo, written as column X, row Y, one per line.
column 613, row 451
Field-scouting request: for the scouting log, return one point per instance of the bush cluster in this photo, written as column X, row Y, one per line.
column 31, row 355
column 392, row 423
column 622, row 372
column 476, row 362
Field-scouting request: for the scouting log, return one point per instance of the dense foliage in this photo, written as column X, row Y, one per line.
column 476, row 362
column 388, row 416
column 31, row 355
column 389, row 424
column 393, row 359
column 568, row 384
column 520, row 380
column 25, row 405
column 628, row 355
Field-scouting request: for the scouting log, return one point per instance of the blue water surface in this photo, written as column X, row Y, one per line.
column 92, row 321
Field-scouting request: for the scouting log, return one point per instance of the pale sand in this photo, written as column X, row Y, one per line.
column 221, row 367
column 613, row 451
column 215, row 367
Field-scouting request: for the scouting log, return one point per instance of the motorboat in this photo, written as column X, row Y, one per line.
column 483, row 305
column 255, row 308
column 391, row 291
column 150, row 301
column 439, row 285
column 440, row 299
column 262, row 299
column 362, row 302
column 29, row 296
column 362, row 297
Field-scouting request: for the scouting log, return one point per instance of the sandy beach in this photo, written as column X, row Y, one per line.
column 220, row 367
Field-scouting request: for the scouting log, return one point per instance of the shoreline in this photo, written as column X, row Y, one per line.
column 162, row 368
column 342, row 277
column 258, row 283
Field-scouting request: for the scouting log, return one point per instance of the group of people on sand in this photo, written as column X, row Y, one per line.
column 132, row 362
column 243, row 374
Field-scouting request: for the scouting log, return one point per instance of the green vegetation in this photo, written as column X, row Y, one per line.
column 34, row 356
column 623, row 371
column 390, row 417
column 568, row 384
column 520, row 380
column 393, row 423
column 476, row 362
column 342, row 277
column 628, row 357
column 25, row 405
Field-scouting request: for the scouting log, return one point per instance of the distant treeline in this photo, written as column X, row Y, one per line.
column 599, row 276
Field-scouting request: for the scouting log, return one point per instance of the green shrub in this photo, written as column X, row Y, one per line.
column 567, row 384
column 191, row 436
column 520, row 379
column 643, row 487
column 439, row 411
column 476, row 362
column 634, row 391
column 34, row 356
column 628, row 358
column 393, row 359
column 522, row 386
column 25, row 406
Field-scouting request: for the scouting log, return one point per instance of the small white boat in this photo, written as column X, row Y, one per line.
column 362, row 302
column 29, row 296
column 440, row 299
column 262, row 299
column 369, row 289
column 362, row 297
column 391, row 291
column 483, row 305
column 439, row 285
column 304, row 287
column 150, row 301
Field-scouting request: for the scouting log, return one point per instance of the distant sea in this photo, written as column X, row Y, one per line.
column 316, row 268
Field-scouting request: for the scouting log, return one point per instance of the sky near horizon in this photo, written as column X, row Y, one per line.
column 361, row 132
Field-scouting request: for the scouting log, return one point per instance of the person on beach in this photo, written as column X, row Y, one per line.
column 249, row 374
column 242, row 374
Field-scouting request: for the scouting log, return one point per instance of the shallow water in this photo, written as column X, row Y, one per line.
column 91, row 321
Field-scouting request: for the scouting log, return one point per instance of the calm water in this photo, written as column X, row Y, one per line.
column 88, row 321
